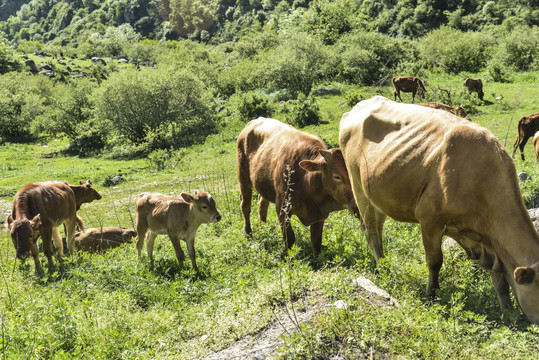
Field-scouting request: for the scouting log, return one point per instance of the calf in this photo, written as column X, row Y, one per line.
column 408, row 84
column 177, row 217
column 99, row 240
column 38, row 210
column 526, row 128
column 458, row 111
column 452, row 177
column 474, row 84
column 295, row 171
column 84, row 193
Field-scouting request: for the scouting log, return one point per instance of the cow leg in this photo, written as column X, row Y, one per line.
column 46, row 237
column 150, row 239
column 142, row 227
column 57, row 241
column 284, row 212
column 35, row 254
column 316, row 237
column 432, row 242
column 262, row 208
column 70, row 234
column 521, row 146
column 246, row 195
column 373, row 225
column 191, row 251
column 502, row 289
column 397, row 93
column 413, row 96
column 177, row 248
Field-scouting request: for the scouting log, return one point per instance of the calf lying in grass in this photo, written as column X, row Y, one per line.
column 99, row 240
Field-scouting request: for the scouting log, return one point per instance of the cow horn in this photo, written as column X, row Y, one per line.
column 88, row 182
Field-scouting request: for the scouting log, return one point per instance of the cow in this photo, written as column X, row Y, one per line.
column 179, row 217
column 99, row 240
column 84, row 193
column 536, row 145
column 458, row 111
column 526, row 128
column 38, row 210
column 474, row 84
column 454, row 178
column 408, row 84
column 294, row 170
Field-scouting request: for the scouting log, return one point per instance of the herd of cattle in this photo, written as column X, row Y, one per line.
column 412, row 163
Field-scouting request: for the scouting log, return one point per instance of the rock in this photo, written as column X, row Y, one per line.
column 522, row 176
column 373, row 291
column 323, row 91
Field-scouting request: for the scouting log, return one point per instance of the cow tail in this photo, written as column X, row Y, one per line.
column 422, row 85
column 80, row 223
column 519, row 132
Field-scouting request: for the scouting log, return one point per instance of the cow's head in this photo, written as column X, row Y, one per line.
column 24, row 234
column 527, row 290
column 203, row 206
column 88, row 193
column 335, row 179
column 461, row 111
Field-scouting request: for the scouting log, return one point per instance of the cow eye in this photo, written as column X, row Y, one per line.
column 337, row 178
column 204, row 207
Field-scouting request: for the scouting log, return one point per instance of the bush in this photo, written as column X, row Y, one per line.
column 8, row 58
column 455, row 51
column 305, row 111
column 250, row 105
column 520, row 49
column 157, row 108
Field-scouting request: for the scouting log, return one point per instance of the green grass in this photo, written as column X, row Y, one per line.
column 113, row 306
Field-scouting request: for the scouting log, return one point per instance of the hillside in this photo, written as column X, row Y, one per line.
column 70, row 22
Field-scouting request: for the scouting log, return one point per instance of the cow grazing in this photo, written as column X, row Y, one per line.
column 38, row 210
column 177, row 217
column 451, row 176
column 526, row 128
column 474, row 84
column 458, row 111
column 99, row 240
column 295, row 171
column 408, row 84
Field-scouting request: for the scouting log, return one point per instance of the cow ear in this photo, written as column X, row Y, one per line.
column 326, row 154
column 81, row 182
column 188, row 198
column 9, row 222
column 36, row 222
column 524, row 275
column 310, row 165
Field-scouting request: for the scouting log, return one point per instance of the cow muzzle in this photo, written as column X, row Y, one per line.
column 217, row 218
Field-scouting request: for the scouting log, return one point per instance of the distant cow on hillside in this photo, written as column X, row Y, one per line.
column 408, row 84
column 458, row 111
column 474, row 84
column 526, row 128
column 178, row 217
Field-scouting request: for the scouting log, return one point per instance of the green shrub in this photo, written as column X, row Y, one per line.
column 520, row 49
column 305, row 111
column 8, row 58
column 455, row 51
column 250, row 105
column 498, row 71
column 160, row 108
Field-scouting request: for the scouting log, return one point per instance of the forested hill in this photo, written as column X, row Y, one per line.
column 65, row 22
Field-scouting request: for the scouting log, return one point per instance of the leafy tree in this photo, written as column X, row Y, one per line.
column 8, row 59
column 190, row 16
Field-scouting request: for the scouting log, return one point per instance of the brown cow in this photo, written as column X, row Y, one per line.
column 295, row 171
column 85, row 193
column 526, row 128
column 459, row 111
column 177, row 217
column 99, row 240
column 38, row 210
column 408, row 84
column 474, row 84
column 452, row 177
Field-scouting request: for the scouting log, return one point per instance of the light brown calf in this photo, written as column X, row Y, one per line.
column 177, row 217
column 99, row 240
column 536, row 145
column 459, row 111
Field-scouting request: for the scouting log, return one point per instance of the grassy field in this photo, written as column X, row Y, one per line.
column 113, row 306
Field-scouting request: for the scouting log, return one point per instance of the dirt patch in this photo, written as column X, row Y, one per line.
column 265, row 344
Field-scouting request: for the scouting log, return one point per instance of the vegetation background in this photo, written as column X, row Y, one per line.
column 150, row 96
